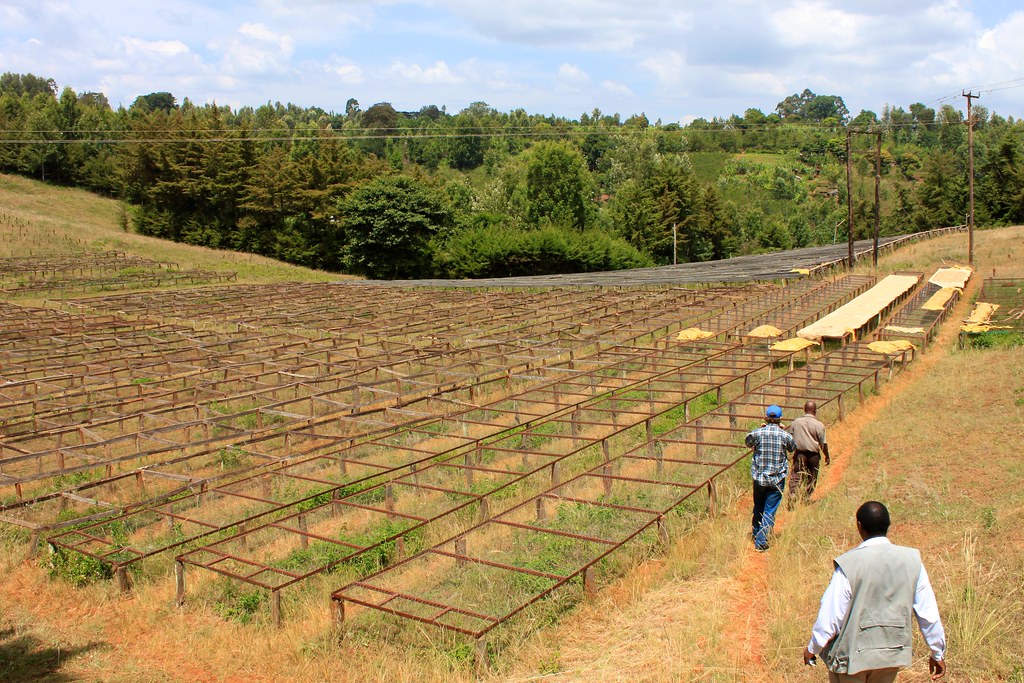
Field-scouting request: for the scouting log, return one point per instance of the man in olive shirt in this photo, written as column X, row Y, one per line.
column 809, row 434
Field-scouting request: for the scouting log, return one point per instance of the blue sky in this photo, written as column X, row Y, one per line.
column 673, row 60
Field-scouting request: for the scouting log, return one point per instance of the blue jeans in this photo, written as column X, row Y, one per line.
column 766, row 503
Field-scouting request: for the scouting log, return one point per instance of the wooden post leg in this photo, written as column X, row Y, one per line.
column 589, row 582
column 712, row 498
column 480, row 654
column 275, row 608
column 460, row 549
column 303, row 528
column 339, row 612
column 179, row 582
column 663, row 532
column 121, row 577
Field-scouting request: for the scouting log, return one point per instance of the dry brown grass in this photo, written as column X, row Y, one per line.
column 941, row 450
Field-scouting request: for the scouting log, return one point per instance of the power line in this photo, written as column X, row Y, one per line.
column 199, row 135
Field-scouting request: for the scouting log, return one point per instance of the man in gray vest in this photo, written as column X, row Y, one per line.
column 863, row 631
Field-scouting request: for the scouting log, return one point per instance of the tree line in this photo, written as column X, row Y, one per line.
column 482, row 193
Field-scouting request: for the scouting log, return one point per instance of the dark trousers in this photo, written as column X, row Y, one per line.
column 805, row 474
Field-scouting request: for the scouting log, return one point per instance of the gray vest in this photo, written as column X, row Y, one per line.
column 876, row 632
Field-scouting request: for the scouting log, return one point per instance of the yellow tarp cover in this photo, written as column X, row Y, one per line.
column 938, row 300
column 891, row 347
column 693, row 334
column 852, row 316
column 981, row 313
column 954, row 276
column 802, row 271
column 764, row 332
column 982, row 327
column 905, row 330
column 793, row 344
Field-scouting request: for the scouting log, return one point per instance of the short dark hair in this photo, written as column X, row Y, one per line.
column 873, row 518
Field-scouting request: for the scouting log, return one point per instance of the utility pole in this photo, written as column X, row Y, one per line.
column 878, row 181
column 849, row 197
column 970, row 176
column 674, row 261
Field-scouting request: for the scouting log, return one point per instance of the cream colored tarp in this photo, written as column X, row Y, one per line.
column 802, row 271
column 955, row 276
column 904, row 330
column 981, row 313
column 854, row 315
column 938, row 300
column 891, row 347
column 978, row 328
column 765, row 332
column 694, row 334
column 793, row 344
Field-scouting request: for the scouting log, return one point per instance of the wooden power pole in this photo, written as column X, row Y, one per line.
column 849, row 198
column 970, row 177
column 878, row 181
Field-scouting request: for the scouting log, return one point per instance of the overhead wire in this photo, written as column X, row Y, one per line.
column 199, row 135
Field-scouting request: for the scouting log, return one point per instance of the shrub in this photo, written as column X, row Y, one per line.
column 491, row 251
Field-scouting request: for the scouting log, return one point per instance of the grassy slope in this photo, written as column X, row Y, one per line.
column 940, row 446
column 41, row 219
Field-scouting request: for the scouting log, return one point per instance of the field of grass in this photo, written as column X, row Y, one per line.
column 940, row 446
column 41, row 219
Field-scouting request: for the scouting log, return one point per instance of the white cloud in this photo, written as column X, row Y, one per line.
column 809, row 23
column 12, row 17
column 259, row 32
column 592, row 25
column 1002, row 45
column 617, row 89
column 570, row 73
column 351, row 74
column 668, row 68
column 256, row 50
column 159, row 49
column 660, row 56
column 436, row 73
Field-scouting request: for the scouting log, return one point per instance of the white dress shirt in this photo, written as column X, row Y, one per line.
column 836, row 601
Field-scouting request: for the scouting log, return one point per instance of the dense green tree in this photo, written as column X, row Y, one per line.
column 559, row 188
column 390, row 224
column 272, row 178
column 807, row 106
column 940, row 197
column 1000, row 189
column 27, row 84
column 380, row 116
column 634, row 214
column 155, row 101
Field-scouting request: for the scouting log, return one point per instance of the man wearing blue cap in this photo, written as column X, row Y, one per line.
column 768, row 468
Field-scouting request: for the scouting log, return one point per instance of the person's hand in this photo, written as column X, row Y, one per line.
column 937, row 668
column 828, row 461
column 808, row 658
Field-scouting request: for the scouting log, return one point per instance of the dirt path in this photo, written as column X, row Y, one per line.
column 748, row 600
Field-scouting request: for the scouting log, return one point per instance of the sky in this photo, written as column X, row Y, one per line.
column 673, row 60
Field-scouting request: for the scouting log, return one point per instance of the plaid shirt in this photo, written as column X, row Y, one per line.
column 770, row 464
